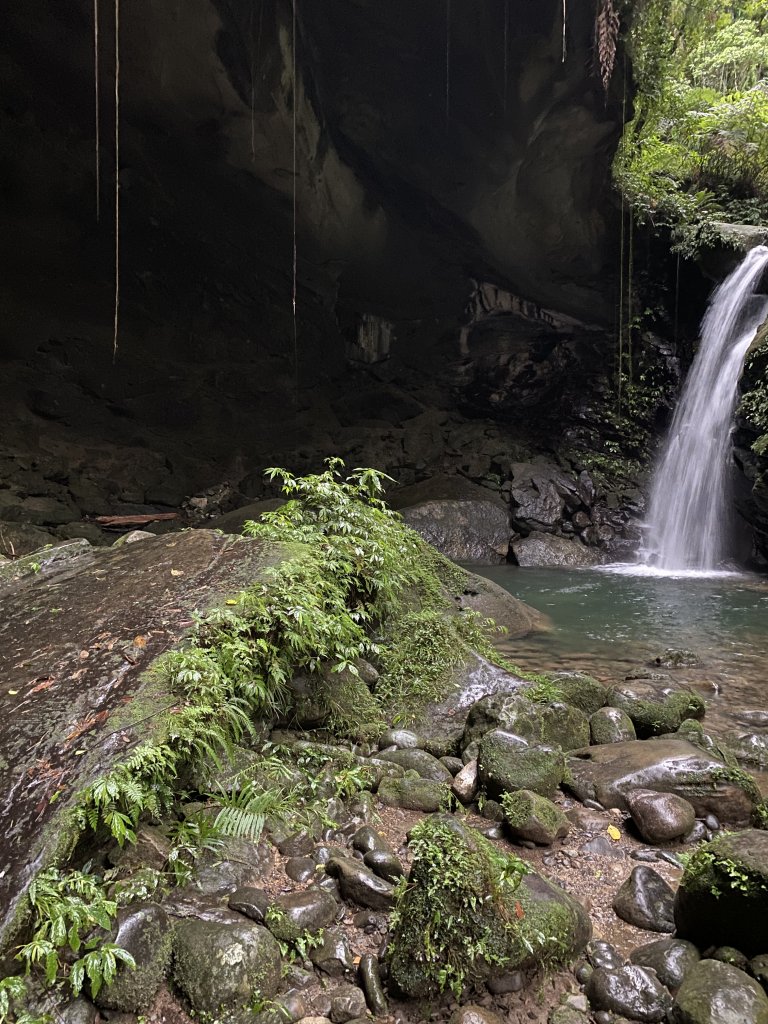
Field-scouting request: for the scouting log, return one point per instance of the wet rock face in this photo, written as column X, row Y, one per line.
column 646, row 901
column 611, row 772
column 631, row 991
column 475, row 532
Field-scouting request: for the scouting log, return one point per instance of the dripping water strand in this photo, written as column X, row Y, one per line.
column 564, row 46
column 447, row 60
column 97, row 104
column 117, row 178
column 506, row 52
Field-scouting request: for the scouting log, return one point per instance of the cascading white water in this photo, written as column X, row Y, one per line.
column 689, row 515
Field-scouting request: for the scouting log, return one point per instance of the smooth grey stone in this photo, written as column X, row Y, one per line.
column 385, row 865
column 419, row 761
column 300, row 869
column 145, row 932
column 603, row 954
column 660, row 817
column 453, row 764
column 306, row 911
column 370, row 981
column 300, row 844
column 251, row 902
column 347, row 1003
column 333, row 957
column 367, row 839
column 611, row 725
column 670, row 958
column 246, row 956
column 402, row 739
column 358, row 884
column 646, row 901
column 632, row 991
column 473, row 1013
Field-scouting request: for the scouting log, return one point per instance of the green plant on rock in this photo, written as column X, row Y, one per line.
column 13, row 999
column 68, row 908
column 454, row 916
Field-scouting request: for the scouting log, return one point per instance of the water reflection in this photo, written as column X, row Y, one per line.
column 611, row 620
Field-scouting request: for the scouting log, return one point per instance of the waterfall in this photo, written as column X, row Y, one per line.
column 689, row 515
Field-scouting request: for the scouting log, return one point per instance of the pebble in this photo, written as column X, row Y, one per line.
column 503, row 983
column 385, row 864
column 644, row 854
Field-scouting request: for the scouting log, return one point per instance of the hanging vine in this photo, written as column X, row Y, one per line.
column 294, row 104
column 447, row 60
column 117, row 177
column 97, row 105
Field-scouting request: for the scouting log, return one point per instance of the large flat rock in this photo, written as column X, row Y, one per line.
column 612, row 771
column 74, row 649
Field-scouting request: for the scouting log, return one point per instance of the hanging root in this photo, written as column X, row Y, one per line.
column 606, row 38
column 96, row 97
column 117, row 176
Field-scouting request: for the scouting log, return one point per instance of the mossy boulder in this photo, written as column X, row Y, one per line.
column 610, row 725
column 414, row 793
column 656, row 709
column 550, row 723
column 504, row 765
column 533, row 817
column 219, row 967
column 146, row 932
column 723, row 895
column 470, row 913
column 717, row 993
column 297, row 912
column 579, row 690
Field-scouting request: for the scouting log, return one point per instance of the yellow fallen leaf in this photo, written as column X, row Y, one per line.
column 177, row 572
column 231, row 601
column 356, row 959
column 614, row 833
column 13, row 692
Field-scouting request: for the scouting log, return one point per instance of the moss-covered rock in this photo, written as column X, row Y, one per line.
column 504, row 766
column 611, row 725
column 220, row 967
column 714, row 992
column 656, row 709
column 723, row 895
column 547, row 721
column 533, row 817
column 414, row 793
column 579, row 690
column 147, row 934
column 470, row 912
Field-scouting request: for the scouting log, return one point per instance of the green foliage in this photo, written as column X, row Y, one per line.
column 13, row 998
column 68, row 908
column 697, row 147
column 442, row 916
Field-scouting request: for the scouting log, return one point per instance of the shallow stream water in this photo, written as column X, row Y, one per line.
column 612, row 620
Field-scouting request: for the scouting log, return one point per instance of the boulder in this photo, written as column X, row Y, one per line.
column 717, row 993
column 611, row 772
column 554, row 724
column 476, row 912
column 414, row 793
column 145, row 931
column 631, row 991
column 505, row 764
column 723, row 894
column 491, row 601
column 239, row 961
column 671, row 959
column 472, row 531
column 424, row 764
column 533, row 817
column 579, row 690
column 297, row 912
column 544, row 549
column 654, row 708
column 611, row 725
column 660, row 817
column 646, row 901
